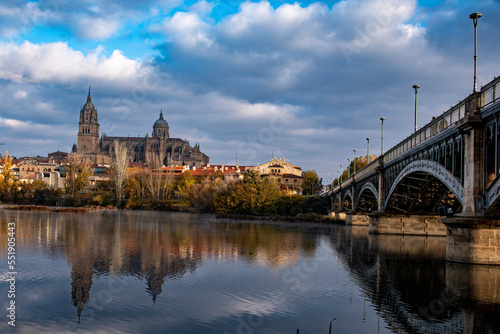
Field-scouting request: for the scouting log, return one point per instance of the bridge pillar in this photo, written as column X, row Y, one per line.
column 339, row 215
column 356, row 218
column 381, row 183
column 473, row 240
column 381, row 223
column 472, row 129
column 353, row 194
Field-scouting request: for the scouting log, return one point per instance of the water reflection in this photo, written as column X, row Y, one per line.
column 416, row 289
column 221, row 276
column 152, row 246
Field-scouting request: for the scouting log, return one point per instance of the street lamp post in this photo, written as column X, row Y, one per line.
column 382, row 137
column 338, row 179
column 348, row 167
column 368, row 150
column 416, row 87
column 354, row 161
column 475, row 17
column 341, row 173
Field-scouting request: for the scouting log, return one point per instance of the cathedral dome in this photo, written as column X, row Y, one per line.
column 89, row 105
column 160, row 121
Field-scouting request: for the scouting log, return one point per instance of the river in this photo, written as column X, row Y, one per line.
column 156, row 272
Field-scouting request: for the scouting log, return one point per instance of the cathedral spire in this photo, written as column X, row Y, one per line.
column 89, row 98
column 161, row 113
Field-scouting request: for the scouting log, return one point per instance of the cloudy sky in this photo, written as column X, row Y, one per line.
column 239, row 77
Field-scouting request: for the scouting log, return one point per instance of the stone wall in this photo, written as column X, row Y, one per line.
column 406, row 224
column 339, row 215
column 356, row 218
column 473, row 240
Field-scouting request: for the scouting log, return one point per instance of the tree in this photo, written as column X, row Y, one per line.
column 362, row 162
column 311, row 182
column 6, row 179
column 78, row 172
column 7, row 176
column 203, row 196
column 184, row 184
column 120, row 164
column 157, row 183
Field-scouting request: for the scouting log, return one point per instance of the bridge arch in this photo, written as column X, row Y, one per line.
column 493, row 197
column 368, row 198
column 421, row 187
column 347, row 200
column 337, row 203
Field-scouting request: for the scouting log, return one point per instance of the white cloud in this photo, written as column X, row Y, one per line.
column 13, row 123
column 188, row 30
column 99, row 28
column 20, row 95
column 56, row 62
column 20, row 19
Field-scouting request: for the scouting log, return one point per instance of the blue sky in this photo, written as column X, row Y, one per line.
column 236, row 76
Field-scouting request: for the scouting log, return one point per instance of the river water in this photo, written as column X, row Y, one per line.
column 150, row 272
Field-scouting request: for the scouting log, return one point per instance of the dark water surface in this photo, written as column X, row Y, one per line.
column 146, row 272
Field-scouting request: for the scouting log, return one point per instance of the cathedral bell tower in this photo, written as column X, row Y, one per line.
column 88, row 129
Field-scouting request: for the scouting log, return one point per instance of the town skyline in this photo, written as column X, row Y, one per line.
column 241, row 77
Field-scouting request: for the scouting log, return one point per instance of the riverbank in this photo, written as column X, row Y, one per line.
column 55, row 209
column 300, row 218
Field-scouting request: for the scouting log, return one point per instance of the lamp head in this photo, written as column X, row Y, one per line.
column 382, row 119
column 475, row 16
column 416, row 87
column 367, row 139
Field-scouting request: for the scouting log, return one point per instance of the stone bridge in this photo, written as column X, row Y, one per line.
column 448, row 168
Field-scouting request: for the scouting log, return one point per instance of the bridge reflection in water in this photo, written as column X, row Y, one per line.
column 413, row 286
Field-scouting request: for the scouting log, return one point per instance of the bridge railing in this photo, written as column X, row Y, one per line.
column 368, row 169
column 435, row 126
column 490, row 92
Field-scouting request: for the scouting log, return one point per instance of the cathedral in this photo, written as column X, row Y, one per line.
column 160, row 147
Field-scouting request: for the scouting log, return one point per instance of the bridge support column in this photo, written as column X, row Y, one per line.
column 381, row 223
column 338, row 215
column 472, row 128
column 381, row 184
column 356, row 218
column 473, row 240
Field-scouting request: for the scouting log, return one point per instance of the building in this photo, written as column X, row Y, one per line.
column 288, row 176
column 58, row 156
column 160, row 146
column 29, row 167
column 227, row 172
